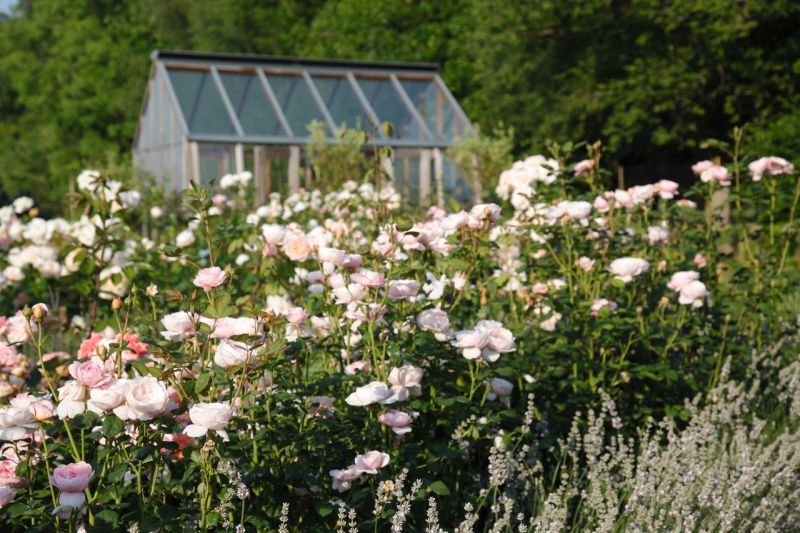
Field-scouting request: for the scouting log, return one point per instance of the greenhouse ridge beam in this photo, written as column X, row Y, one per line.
column 206, row 58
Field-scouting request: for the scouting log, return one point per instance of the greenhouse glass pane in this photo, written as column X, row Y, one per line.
column 389, row 107
column 342, row 102
column 215, row 160
column 436, row 111
column 251, row 105
column 200, row 102
column 296, row 101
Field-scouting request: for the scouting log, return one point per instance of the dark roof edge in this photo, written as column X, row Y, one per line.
column 287, row 60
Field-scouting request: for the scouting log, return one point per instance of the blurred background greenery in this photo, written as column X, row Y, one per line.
column 651, row 78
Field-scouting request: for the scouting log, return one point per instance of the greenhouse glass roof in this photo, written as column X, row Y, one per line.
column 254, row 99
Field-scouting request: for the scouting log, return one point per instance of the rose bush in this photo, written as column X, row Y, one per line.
column 201, row 371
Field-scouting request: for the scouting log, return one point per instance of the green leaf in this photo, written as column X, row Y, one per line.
column 202, row 382
column 112, row 426
column 439, row 488
column 107, row 517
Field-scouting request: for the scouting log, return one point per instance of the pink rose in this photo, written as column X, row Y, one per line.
column 666, row 189
column 370, row 462
column 399, row 421
column 769, row 165
column 368, row 278
column 231, row 354
column 406, row 381
column 90, row 373
column 73, row 477
column 601, row 205
column 145, row 398
column 6, row 495
column 701, row 166
column 601, row 303
column 627, row 268
column 297, row 248
column 209, row 278
column 8, row 474
column 584, row 263
column 357, row 366
column 716, row 173
column 296, row 315
column 343, row 479
column 437, row 322
column 352, row 261
column 227, row 327
column 207, row 417
column 681, row 279
column 331, row 255
column 693, row 294
column 699, row 261
column 107, row 398
column 403, row 289
column 178, row 326
column 583, row 167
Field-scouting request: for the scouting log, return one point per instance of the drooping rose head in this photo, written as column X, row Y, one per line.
column 331, row 255
column 771, row 165
column 73, row 477
column 178, row 326
column 6, row 495
column 90, row 373
column 209, row 278
column 374, row 392
column 701, row 166
column 582, row 168
column 370, row 462
column 399, row 421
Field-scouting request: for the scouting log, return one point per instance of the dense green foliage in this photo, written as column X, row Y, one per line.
column 656, row 76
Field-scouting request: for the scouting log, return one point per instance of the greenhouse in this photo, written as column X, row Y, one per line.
column 205, row 115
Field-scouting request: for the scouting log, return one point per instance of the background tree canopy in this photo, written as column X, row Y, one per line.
column 650, row 78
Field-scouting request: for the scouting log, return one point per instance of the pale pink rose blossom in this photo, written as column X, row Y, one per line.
column 357, row 366
column 485, row 212
column 210, row 278
column 584, row 263
column 6, row 495
column 437, row 322
column 227, row 327
column 406, row 381
column 90, row 373
column 602, row 303
column 657, row 235
column 666, row 189
column 627, row 268
column 601, row 205
column 716, row 173
column 331, row 255
column 403, row 289
column 375, row 392
column 500, row 389
column 353, row 292
column 207, row 417
column 273, row 234
column 701, row 166
column 771, row 165
column 296, row 315
column 693, row 294
column 297, row 248
column 72, row 478
column 370, row 462
column 681, row 279
column 145, row 398
column 399, row 421
column 231, row 354
column 179, row 326
column 368, row 278
column 583, row 168
column 352, row 261
column 343, row 479
column 699, row 261
column 622, row 198
column 109, row 397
